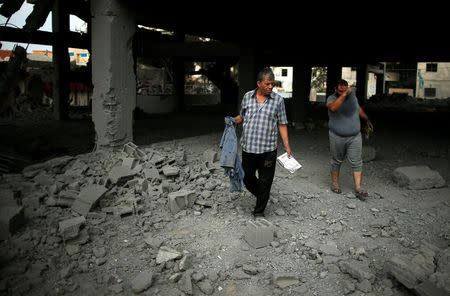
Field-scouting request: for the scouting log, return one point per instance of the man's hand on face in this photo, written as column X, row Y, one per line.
column 348, row 91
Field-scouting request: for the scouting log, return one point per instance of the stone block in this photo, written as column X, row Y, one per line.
column 418, row 177
column 181, row 200
column 70, row 228
column 259, row 233
column 11, row 219
column 88, row 198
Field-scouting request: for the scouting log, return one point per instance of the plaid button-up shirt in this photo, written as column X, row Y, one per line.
column 260, row 123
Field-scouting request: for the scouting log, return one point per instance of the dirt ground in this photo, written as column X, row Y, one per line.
column 305, row 213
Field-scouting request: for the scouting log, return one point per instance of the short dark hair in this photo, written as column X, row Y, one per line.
column 265, row 73
column 341, row 82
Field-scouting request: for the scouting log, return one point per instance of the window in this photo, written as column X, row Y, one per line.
column 430, row 92
column 284, row 72
column 431, row 67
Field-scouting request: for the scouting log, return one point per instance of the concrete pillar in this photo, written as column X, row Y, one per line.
column 334, row 73
column 362, row 77
column 301, row 86
column 114, row 97
column 61, row 62
column 179, row 75
column 380, row 84
column 247, row 75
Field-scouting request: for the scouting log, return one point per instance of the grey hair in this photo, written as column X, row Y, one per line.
column 265, row 73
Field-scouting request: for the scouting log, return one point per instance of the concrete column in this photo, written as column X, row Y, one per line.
column 114, row 97
column 179, row 75
column 380, row 84
column 334, row 73
column 247, row 76
column 362, row 76
column 301, row 86
column 61, row 62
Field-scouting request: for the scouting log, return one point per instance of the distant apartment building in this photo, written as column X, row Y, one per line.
column 283, row 81
column 433, row 80
column 79, row 56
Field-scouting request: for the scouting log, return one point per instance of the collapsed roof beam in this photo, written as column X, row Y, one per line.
column 46, row 38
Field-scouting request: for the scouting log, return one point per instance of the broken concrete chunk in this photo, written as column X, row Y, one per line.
column 88, row 198
column 206, row 287
column 129, row 162
column 330, row 248
column 7, row 198
column 120, row 174
column 357, row 270
column 11, row 220
column 181, row 200
column 283, row 280
column 259, row 233
column 368, row 153
column 428, row 288
column 210, row 156
column 185, row 282
column 142, row 281
column 152, row 241
column 418, row 177
column 170, row 171
column 151, row 173
column 129, row 148
column 70, row 228
column 166, row 254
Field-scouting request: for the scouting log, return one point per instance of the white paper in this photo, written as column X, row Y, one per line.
column 289, row 164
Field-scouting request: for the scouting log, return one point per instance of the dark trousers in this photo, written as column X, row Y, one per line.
column 260, row 187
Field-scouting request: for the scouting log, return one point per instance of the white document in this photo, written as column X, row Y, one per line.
column 289, row 164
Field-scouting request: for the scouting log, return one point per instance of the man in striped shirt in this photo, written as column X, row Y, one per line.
column 262, row 114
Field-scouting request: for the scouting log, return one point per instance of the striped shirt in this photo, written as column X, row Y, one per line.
column 260, row 123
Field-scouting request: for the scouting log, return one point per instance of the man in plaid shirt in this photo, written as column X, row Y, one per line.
column 262, row 114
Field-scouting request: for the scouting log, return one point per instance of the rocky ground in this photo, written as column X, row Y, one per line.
column 123, row 237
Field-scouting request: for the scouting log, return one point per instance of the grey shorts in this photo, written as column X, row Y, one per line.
column 340, row 147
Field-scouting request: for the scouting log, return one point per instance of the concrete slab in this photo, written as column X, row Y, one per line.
column 11, row 220
column 418, row 177
column 87, row 198
column 120, row 174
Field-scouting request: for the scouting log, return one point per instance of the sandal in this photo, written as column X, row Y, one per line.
column 361, row 194
column 336, row 189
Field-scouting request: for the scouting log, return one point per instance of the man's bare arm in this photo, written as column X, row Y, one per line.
column 284, row 136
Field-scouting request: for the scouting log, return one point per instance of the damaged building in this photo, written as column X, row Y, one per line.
column 110, row 181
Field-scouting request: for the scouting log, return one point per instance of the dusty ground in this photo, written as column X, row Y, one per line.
column 306, row 215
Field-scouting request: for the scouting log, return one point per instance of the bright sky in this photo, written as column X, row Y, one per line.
column 18, row 20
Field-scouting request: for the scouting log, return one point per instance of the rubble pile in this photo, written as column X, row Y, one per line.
column 25, row 109
column 161, row 220
column 405, row 102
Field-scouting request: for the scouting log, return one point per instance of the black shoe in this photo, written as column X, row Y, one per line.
column 258, row 214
